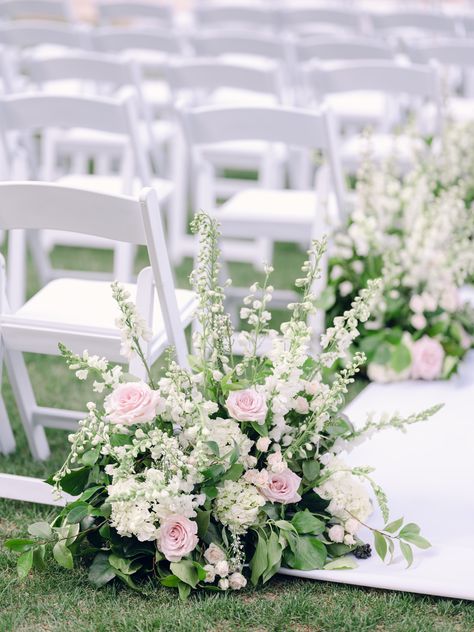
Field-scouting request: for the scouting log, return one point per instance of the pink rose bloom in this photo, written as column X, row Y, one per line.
column 247, row 405
column 132, row 403
column 428, row 358
column 177, row 537
column 282, row 487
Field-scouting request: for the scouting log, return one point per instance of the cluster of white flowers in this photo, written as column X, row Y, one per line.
column 85, row 364
column 227, row 434
column 348, row 498
column 237, row 505
column 131, row 325
column 218, row 566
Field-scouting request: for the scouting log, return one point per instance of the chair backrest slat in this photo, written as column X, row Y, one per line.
column 247, row 16
column 38, row 205
column 210, row 75
column 119, row 40
column 28, row 34
column 343, row 49
column 122, row 10
column 383, row 76
column 421, row 20
column 44, row 9
column 35, row 111
column 452, row 52
column 216, row 44
column 294, row 18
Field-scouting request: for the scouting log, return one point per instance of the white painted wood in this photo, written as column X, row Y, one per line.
column 32, row 490
column 80, row 313
column 39, row 33
column 44, row 9
column 134, row 11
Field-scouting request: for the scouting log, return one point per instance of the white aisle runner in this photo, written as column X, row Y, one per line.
column 428, row 475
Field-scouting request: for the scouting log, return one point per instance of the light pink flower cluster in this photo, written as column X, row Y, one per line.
column 177, row 537
column 427, row 359
column 132, row 403
column 278, row 484
column 247, row 405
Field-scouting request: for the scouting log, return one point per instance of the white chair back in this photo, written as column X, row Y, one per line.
column 449, row 52
column 296, row 128
column 235, row 16
column 245, row 43
column 138, row 39
column 422, row 20
column 28, row 34
column 37, row 9
column 202, row 77
column 33, row 112
column 133, row 12
column 349, row 48
column 305, row 19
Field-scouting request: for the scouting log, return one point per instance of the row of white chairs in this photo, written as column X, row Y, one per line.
column 256, row 15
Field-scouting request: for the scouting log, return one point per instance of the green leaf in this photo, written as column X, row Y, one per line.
column 260, row 429
column 211, row 491
column 170, row 581
column 184, row 591
column 19, row 545
column 186, row 572
column 127, row 567
column 409, row 529
column 258, row 563
column 39, row 554
column 400, row 358
column 394, row 526
column 25, row 563
column 382, row 354
column 311, row 469
column 391, row 549
column 117, row 440
column 78, row 513
column 63, row 555
column 305, row 522
column 75, row 482
column 407, row 553
column 87, row 495
column 284, row 525
column 274, row 551
column 214, row 472
column 90, row 457
column 203, row 519
column 101, row 572
column 233, row 473
column 326, row 298
column 417, row 540
column 307, row 553
column 380, row 545
column 346, row 562
column 214, row 447
column 40, row 530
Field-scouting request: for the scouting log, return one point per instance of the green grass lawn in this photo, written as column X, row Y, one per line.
column 59, row 600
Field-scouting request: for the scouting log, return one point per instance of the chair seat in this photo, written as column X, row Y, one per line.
column 114, row 185
column 381, row 146
column 82, row 314
column 277, row 215
column 461, row 109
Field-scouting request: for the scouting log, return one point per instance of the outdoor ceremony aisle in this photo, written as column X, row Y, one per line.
column 428, row 475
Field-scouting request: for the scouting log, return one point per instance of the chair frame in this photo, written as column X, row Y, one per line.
column 116, row 217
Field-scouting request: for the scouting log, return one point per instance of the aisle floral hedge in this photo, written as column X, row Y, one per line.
column 220, row 474
column 415, row 232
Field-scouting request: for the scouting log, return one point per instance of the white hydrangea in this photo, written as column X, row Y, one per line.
column 237, row 505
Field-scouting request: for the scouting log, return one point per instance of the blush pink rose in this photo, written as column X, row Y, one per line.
column 132, row 403
column 247, row 405
column 282, row 487
column 428, row 357
column 177, row 537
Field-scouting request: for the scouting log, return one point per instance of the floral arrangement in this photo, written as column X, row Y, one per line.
column 416, row 232
column 220, row 474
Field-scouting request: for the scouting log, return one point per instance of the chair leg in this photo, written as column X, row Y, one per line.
column 26, row 402
column 7, row 439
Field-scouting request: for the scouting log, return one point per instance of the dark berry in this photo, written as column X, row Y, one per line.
column 363, row 551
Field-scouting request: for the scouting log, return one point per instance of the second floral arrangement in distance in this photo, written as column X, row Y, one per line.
column 218, row 475
column 415, row 231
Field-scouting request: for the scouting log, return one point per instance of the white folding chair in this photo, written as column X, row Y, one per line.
column 216, row 82
column 80, row 313
column 21, row 117
column 414, row 83
column 132, row 12
column 452, row 55
column 36, row 9
column 247, row 16
column 278, row 215
column 310, row 20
